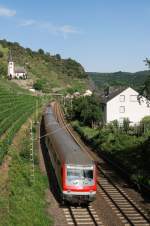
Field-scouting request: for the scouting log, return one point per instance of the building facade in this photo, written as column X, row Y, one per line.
column 15, row 72
column 125, row 104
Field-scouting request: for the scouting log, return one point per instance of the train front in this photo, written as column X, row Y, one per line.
column 79, row 183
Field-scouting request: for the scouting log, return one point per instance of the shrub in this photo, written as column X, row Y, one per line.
column 38, row 85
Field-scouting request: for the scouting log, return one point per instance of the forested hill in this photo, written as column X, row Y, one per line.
column 51, row 71
column 135, row 80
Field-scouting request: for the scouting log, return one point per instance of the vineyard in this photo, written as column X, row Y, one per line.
column 15, row 107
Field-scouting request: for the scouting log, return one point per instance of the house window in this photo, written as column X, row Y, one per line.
column 133, row 98
column 122, row 98
column 122, row 109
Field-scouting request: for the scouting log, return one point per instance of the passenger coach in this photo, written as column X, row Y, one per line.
column 74, row 169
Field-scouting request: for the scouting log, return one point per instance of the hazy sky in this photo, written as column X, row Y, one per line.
column 103, row 35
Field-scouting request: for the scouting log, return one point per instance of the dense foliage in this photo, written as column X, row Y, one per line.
column 129, row 149
column 145, row 91
column 86, row 109
column 117, row 79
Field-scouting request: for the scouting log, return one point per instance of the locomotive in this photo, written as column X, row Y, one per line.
column 74, row 169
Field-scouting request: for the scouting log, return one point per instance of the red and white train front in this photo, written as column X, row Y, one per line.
column 79, row 183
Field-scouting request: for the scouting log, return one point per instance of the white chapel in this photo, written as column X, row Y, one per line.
column 15, row 72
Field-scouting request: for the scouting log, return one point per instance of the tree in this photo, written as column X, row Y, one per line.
column 145, row 91
column 41, row 51
column 87, row 110
column 58, row 57
column 29, row 51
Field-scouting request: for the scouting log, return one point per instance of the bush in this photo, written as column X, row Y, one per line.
column 38, row 85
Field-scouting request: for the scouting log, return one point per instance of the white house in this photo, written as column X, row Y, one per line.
column 15, row 72
column 124, row 103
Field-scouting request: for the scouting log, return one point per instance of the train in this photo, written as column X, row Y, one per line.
column 75, row 170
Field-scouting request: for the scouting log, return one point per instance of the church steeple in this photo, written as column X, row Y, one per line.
column 11, row 67
column 15, row 72
column 10, row 58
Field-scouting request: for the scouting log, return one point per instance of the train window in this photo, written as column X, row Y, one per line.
column 88, row 174
column 80, row 176
column 74, row 173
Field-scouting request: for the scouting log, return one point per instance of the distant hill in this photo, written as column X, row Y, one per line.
column 51, row 71
column 118, row 79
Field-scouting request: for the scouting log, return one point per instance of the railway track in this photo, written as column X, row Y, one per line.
column 77, row 216
column 122, row 205
column 80, row 216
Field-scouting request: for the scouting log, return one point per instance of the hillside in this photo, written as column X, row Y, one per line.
column 17, row 109
column 51, row 72
column 117, row 79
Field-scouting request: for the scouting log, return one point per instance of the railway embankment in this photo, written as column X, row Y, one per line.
column 22, row 192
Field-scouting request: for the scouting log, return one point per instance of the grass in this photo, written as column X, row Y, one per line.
column 9, row 86
column 26, row 203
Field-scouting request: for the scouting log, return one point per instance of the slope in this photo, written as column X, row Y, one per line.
column 50, row 71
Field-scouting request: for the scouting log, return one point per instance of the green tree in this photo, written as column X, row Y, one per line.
column 58, row 57
column 145, row 91
column 87, row 110
column 41, row 51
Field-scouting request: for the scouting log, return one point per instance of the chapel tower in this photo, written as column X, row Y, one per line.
column 11, row 69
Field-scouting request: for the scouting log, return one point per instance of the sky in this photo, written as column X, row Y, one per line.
column 103, row 35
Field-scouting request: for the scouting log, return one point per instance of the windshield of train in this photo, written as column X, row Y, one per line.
column 80, row 176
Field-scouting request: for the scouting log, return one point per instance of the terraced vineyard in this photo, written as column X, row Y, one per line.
column 15, row 107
